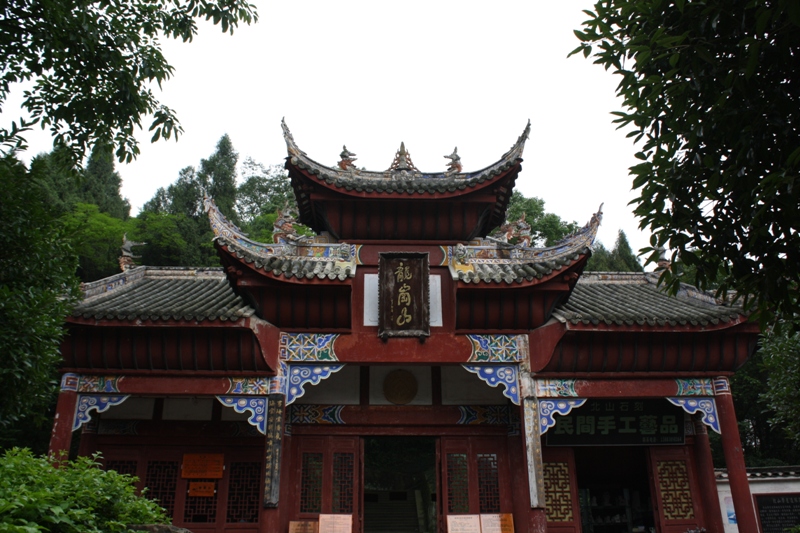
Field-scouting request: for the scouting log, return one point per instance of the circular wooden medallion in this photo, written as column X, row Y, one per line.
column 400, row 387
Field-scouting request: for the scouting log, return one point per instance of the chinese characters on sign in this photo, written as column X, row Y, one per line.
column 619, row 422
column 404, row 295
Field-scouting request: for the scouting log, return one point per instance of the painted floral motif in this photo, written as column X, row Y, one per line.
column 494, row 415
column 307, row 347
column 695, row 387
column 249, row 386
column 107, row 384
column 316, row 414
column 498, row 348
column 555, row 388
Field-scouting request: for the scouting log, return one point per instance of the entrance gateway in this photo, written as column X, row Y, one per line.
column 420, row 358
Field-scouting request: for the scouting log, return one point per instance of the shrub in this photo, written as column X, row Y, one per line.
column 72, row 497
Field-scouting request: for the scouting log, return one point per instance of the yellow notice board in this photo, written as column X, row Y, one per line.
column 203, row 465
column 306, row 526
column 202, row 489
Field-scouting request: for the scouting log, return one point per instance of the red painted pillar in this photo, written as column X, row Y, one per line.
column 706, row 478
column 61, row 436
column 734, row 457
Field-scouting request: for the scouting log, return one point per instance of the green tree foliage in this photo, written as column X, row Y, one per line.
column 620, row 259
column 73, row 497
column 94, row 63
column 37, row 288
column 174, row 224
column 218, row 176
column 96, row 238
column 101, row 184
column 710, row 90
column 780, row 350
column 264, row 191
column 546, row 228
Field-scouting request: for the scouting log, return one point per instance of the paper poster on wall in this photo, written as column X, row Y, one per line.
column 335, row 523
column 463, row 523
column 497, row 523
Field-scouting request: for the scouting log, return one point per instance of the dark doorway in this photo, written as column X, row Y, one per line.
column 399, row 485
column 614, row 489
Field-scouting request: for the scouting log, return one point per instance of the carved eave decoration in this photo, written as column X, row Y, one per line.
column 491, row 261
column 298, row 259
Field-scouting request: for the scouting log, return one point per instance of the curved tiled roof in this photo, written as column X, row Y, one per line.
column 401, row 181
column 163, row 293
column 627, row 299
column 304, row 257
column 490, row 261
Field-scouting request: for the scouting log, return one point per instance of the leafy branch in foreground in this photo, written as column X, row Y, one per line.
column 93, row 64
column 711, row 91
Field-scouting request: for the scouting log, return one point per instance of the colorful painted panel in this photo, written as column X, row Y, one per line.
column 316, row 414
column 496, row 375
column 307, row 347
column 694, row 387
column 557, row 492
column 676, row 496
column 69, row 382
column 495, row 415
column 498, row 348
column 706, row 406
column 555, row 388
column 249, row 386
column 256, row 406
column 100, row 384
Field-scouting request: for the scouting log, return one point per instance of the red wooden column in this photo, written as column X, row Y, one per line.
column 734, row 457
column 61, row 435
column 705, row 476
column 537, row 522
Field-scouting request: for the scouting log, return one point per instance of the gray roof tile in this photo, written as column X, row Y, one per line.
column 163, row 293
column 636, row 299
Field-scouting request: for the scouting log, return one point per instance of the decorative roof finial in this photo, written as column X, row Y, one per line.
column 454, row 166
column 347, row 160
column 291, row 146
column 126, row 259
column 402, row 160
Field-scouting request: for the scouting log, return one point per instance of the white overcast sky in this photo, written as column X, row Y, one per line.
column 370, row 74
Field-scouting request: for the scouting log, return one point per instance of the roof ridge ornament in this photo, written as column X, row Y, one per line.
column 454, row 166
column 347, row 159
column 402, row 161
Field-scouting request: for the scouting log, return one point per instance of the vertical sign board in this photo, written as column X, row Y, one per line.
column 403, row 295
column 778, row 512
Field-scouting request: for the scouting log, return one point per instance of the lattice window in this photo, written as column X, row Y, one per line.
column 243, row 492
column 676, row 495
column 343, row 483
column 457, row 483
column 123, row 467
column 488, row 483
column 311, row 483
column 557, row 492
column 201, row 509
column 162, row 482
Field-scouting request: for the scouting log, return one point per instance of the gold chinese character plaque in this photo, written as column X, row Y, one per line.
column 404, row 295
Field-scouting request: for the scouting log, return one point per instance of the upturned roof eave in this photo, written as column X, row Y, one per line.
column 670, row 325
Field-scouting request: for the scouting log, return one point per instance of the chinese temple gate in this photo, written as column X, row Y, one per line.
column 416, row 364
